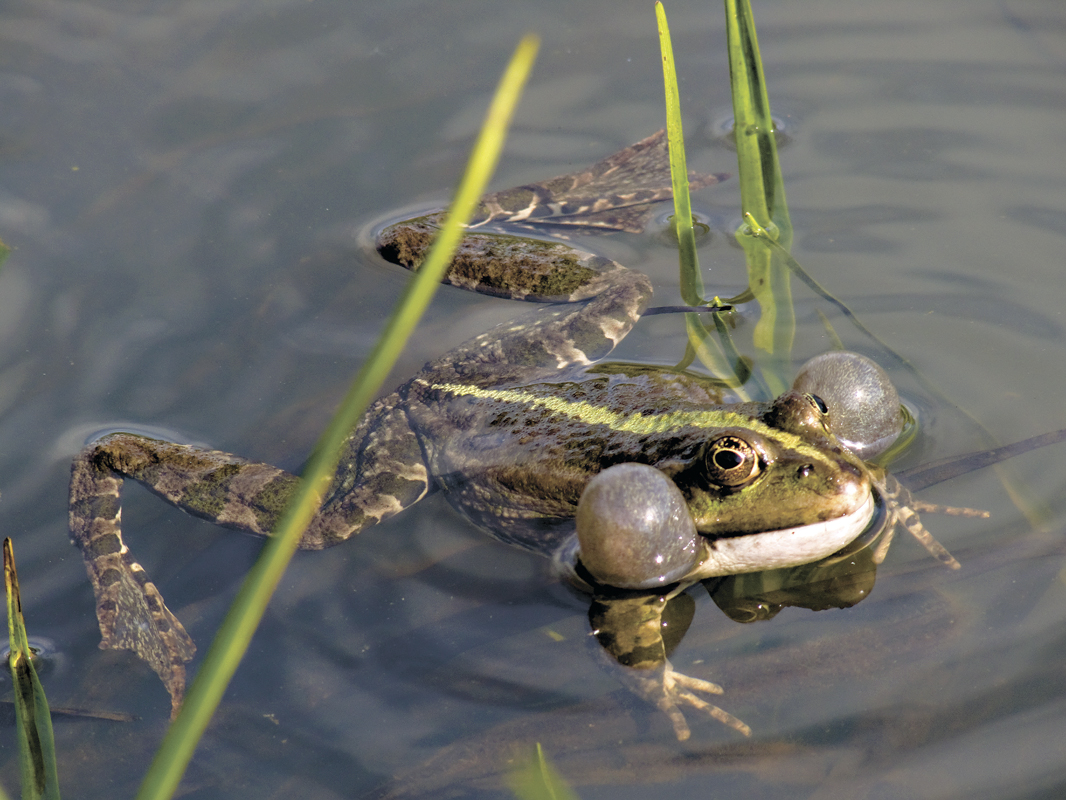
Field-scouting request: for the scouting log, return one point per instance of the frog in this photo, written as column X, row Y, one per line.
column 511, row 427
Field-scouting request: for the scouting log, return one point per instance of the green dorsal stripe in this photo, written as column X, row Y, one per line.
column 637, row 423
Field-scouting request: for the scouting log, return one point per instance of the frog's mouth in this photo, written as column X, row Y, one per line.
column 755, row 552
column 790, row 547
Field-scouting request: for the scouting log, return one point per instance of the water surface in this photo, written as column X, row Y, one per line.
column 185, row 185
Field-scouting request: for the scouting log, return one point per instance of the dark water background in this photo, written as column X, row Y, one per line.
column 185, row 184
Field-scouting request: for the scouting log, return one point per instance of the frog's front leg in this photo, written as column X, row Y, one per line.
column 630, row 627
column 381, row 473
column 902, row 510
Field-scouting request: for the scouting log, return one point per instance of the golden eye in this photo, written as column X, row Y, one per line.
column 732, row 462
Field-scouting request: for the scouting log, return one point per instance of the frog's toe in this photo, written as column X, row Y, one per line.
column 695, row 684
column 669, row 690
column 722, row 716
column 677, row 719
column 681, row 688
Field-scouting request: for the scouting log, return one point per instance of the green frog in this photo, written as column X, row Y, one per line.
column 512, row 426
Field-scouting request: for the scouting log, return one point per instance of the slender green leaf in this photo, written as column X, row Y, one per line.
column 5, row 251
column 719, row 355
column 537, row 779
column 714, row 356
column 691, row 282
column 33, row 720
column 762, row 193
column 237, row 629
column 762, row 189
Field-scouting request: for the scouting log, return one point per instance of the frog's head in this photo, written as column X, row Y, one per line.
column 761, row 486
column 778, row 491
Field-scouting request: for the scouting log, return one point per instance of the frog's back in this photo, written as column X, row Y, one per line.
column 516, row 458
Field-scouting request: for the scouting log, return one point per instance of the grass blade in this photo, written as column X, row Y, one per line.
column 37, row 752
column 762, row 189
column 537, row 779
column 762, row 193
column 240, row 623
column 714, row 356
column 691, row 282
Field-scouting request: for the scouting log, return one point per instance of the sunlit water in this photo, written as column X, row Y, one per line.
column 185, row 184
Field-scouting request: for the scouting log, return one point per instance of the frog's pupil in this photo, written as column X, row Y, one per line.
column 820, row 403
column 728, row 459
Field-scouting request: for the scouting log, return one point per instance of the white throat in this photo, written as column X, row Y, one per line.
column 789, row 547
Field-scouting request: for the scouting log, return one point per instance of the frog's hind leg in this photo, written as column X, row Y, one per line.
column 371, row 486
column 130, row 610
column 599, row 302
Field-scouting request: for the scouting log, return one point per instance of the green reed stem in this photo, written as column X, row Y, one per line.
column 33, row 720
column 762, row 193
column 691, row 282
column 236, row 631
column 711, row 353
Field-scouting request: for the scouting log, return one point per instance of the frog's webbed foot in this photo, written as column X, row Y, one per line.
column 129, row 608
column 618, row 193
column 903, row 510
column 133, row 616
column 614, row 194
column 669, row 690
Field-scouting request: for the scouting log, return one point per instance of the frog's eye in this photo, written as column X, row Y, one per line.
column 819, row 403
column 732, row 462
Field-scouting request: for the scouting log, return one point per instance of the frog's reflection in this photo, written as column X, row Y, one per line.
column 836, row 582
column 635, row 626
column 640, row 629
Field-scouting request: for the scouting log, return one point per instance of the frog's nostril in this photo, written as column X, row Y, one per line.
column 805, row 471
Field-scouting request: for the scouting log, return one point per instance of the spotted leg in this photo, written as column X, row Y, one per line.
column 383, row 468
column 381, row 474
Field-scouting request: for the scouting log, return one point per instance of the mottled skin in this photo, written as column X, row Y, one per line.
column 510, row 425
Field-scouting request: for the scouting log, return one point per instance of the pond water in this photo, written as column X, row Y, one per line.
column 186, row 187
